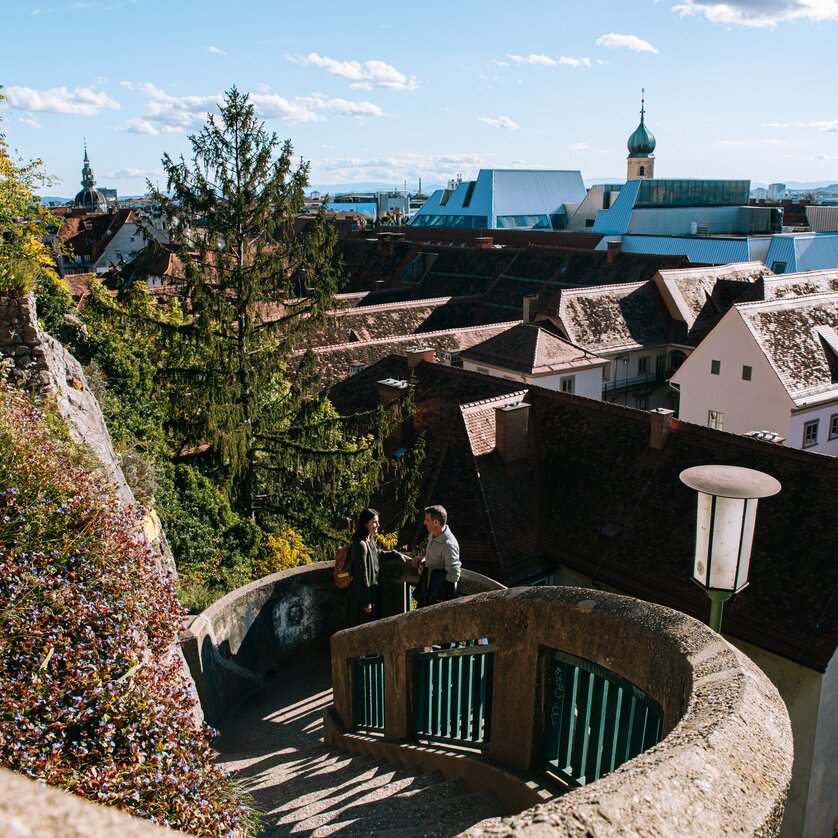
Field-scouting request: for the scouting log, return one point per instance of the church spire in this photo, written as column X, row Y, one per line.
column 641, row 145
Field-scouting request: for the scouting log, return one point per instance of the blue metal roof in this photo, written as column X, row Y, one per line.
column 615, row 221
column 505, row 192
column 781, row 252
column 816, row 252
column 707, row 251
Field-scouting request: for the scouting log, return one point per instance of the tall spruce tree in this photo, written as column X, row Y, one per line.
column 256, row 281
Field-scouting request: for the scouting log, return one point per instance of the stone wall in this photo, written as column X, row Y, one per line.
column 37, row 362
column 723, row 766
column 248, row 635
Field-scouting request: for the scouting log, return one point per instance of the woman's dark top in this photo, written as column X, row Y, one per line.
column 364, row 559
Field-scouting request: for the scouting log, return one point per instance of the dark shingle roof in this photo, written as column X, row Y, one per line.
column 594, row 497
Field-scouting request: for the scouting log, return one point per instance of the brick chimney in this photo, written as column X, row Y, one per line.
column 511, row 431
column 614, row 250
column 530, row 307
column 415, row 354
column 660, row 426
column 484, row 242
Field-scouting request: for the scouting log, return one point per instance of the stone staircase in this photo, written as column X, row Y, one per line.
column 274, row 746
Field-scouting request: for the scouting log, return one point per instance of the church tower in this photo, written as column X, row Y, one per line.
column 90, row 198
column 641, row 144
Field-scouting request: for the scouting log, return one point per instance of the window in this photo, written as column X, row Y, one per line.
column 833, row 426
column 676, row 359
column 715, row 419
column 746, row 372
column 642, row 365
column 779, row 267
column 715, row 367
column 641, row 402
column 810, row 433
column 566, row 384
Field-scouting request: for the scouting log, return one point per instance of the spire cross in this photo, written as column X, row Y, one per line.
column 642, row 103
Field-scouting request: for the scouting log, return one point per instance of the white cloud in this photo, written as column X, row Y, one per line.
column 826, row 156
column 82, row 101
column 614, row 41
column 775, row 125
column 168, row 114
column 578, row 146
column 342, row 107
column 397, row 168
column 759, row 12
column 215, row 50
column 539, row 60
column 827, row 126
column 499, row 122
column 135, row 174
column 30, row 121
column 365, row 75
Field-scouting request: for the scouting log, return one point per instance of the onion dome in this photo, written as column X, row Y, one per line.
column 642, row 142
column 89, row 198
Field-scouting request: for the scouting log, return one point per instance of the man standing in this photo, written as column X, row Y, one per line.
column 440, row 565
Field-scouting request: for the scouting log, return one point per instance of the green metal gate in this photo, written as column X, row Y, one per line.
column 453, row 695
column 595, row 720
column 368, row 693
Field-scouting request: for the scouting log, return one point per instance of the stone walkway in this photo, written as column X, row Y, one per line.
column 274, row 746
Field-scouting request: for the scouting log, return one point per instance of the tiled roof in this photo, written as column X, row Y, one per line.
column 594, row 497
column 335, row 361
column 371, row 322
column 615, row 317
column 799, row 336
column 530, row 349
column 698, row 295
column 800, row 284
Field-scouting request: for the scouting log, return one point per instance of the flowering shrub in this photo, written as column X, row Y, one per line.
column 91, row 698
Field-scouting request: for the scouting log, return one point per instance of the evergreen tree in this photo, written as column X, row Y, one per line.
column 256, row 281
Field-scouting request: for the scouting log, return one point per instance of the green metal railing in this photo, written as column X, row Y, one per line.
column 595, row 720
column 368, row 693
column 453, row 695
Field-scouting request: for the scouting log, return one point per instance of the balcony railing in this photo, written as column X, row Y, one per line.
column 646, row 383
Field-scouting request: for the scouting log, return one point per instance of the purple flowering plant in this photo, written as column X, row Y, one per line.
column 92, row 698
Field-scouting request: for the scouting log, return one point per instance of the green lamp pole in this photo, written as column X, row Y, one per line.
column 727, row 508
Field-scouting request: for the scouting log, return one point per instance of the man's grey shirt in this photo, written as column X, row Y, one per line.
column 444, row 552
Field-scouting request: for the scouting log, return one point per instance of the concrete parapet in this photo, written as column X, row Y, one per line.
column 723, row 766
column 245, row 637
column 30, row 810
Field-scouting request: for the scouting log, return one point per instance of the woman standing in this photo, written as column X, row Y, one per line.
column 364, row 559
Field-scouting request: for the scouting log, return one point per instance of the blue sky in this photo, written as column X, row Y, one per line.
column 391, row 92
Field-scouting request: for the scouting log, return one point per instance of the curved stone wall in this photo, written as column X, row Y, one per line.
column 244, row 637
column 723, row 767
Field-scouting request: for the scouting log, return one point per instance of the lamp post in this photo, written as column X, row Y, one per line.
column 727, row 508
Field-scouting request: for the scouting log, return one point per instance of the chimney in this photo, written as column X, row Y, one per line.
column 390, row 389
column 484, row 242
column 530, row 306
column 614, row 249
column 660, row 427
column 511, row 430
column 415, row 354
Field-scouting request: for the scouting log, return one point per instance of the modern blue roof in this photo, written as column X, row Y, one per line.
column 615, row 221
column 503, row 197
column 706, row 251
column 803, row 252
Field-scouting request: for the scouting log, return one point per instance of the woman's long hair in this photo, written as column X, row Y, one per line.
column 361, row 527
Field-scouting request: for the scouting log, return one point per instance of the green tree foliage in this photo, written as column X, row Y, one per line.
column 256, row 284
column 26, row 263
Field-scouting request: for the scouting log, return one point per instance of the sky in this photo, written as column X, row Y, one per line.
column 398, row 91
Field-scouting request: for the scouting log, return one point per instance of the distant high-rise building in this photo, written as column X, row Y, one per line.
column 641, row 144
column 775, row 191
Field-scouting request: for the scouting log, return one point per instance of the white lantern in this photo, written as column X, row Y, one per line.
column 727, row 508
